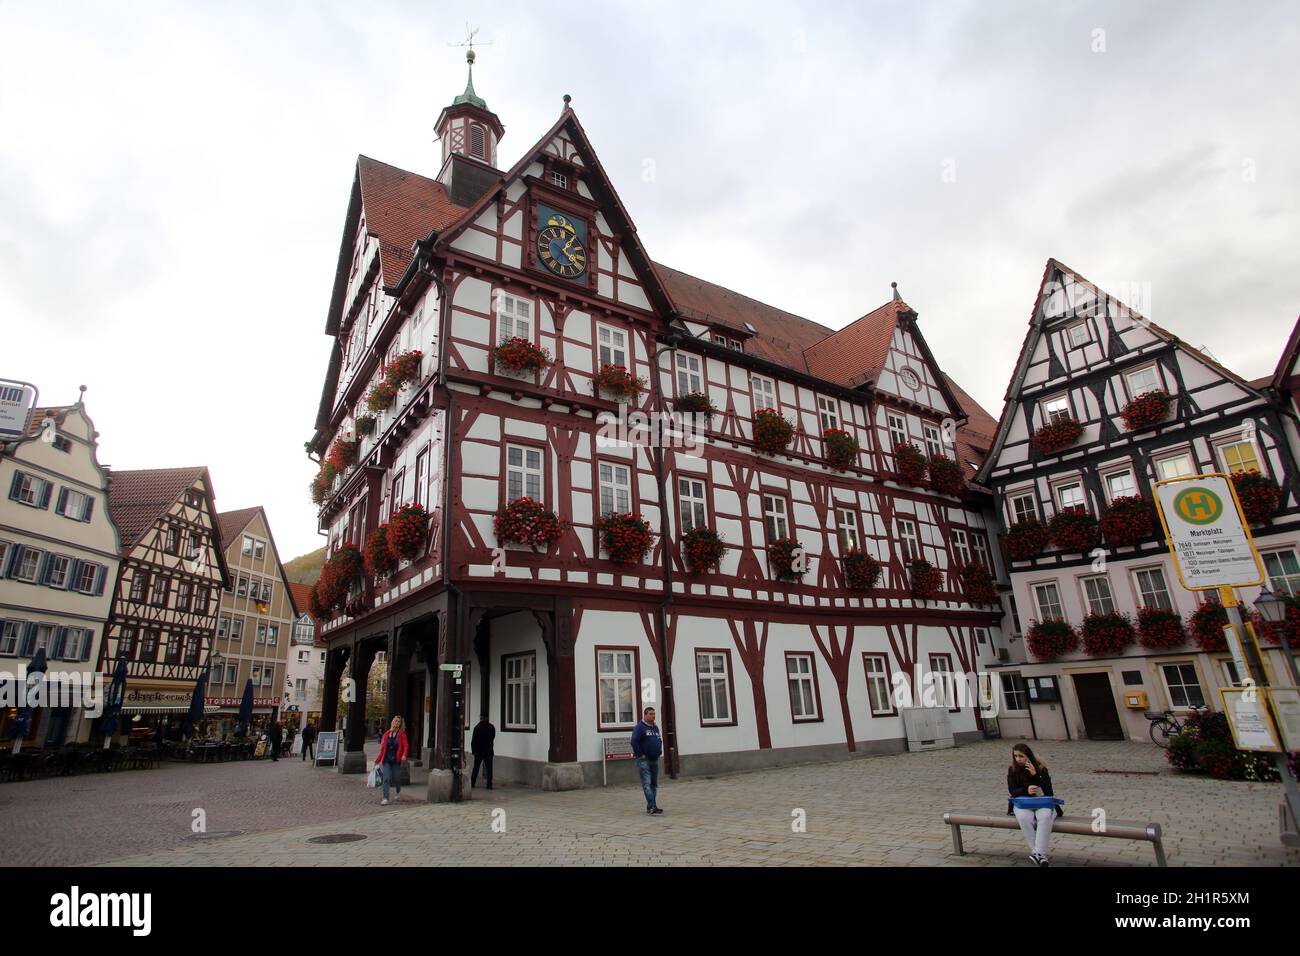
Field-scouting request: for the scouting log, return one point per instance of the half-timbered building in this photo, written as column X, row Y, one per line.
column 1102, row 404
column 168, row 591
column 563, row 644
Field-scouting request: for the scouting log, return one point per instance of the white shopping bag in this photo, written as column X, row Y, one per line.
column 374, row 778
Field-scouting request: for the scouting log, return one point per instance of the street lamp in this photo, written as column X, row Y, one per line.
column 1270, row 607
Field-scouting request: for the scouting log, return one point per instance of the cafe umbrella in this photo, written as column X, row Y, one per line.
column 246, row 708
column 197, row 703
column 23, row 722
column 113, row 704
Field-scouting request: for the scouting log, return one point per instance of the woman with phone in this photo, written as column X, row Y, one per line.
column 1029, row 785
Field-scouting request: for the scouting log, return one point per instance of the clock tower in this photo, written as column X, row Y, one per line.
column 469, row 133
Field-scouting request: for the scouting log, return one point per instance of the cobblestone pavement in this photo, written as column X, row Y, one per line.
column 872, row 810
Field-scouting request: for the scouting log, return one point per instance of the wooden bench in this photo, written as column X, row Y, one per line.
column 1080, row 826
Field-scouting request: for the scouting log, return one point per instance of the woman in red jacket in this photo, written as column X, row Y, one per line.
column 392, row 752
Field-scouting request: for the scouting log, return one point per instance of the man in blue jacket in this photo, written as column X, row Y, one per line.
column 646, row 748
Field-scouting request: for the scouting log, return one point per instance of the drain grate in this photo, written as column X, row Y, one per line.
column 215, row 835
column 337, row 838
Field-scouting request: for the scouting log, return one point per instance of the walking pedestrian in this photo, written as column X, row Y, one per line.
column 391, row 756
column 288, row 740
column 480, row 746
column 274, row 737
column 308, row 738
column 646, row 748
column 1029, row 786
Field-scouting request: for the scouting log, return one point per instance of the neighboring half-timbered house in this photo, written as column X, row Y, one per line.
column 1102, row 404
column 165, row 606
column 563, row 644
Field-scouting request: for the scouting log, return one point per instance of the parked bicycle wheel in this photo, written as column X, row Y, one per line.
column 1163, row 731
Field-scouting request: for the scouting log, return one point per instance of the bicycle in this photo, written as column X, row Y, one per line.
column 1165, row 726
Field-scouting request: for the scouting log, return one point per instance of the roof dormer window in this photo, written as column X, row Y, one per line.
column 559, row 179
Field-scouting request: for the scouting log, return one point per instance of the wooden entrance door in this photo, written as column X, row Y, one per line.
column 1097, row 706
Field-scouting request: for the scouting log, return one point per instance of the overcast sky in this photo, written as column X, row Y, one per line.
column 174, row 177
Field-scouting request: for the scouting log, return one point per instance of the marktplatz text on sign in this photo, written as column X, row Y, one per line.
column 1210, row 542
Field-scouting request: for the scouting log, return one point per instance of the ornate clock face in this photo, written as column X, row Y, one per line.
column 559, row 245
column 911, row 379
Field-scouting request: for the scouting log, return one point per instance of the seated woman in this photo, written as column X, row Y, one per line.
column 1028, row 777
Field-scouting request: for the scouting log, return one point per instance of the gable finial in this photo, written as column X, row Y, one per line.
column 469, row 96
column 567, row 100
column 897, row 297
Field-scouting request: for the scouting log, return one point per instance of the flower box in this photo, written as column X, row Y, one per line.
column 841, row 448
column 528, row 522
column 1146, row 411
column 379, row 559
column 1057, row 434
column 365, row 425
column 926, row 579
column 408, row 532
column 772, row 433
column 324, row 480
column 617, row 381
column 787, row 559
column 1048, row 640
column 343, row 453
column 403, row 368
column 626, row 538
column 1075, row 530
column 909, row 462
column 316, row 606
column 1259, row 495
column 702, row 549
column 696, row 403
column 1128, row 520
column 1160, row 628
column 519, row 356
column 382, row 395
column 1208, row 621
column 945, row 476
column 338, row 575
column 861, row 570
column 1026, row 539
column 977, row 583
column 1106, row 635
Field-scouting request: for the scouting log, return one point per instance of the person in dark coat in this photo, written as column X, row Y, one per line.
column 275, row 736
column 288, row 740
column 481, row 746
column 647, row 746
column 1027, row 776
column 308, row 738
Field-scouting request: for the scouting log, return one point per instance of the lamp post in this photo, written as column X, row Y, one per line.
column 1273, row 610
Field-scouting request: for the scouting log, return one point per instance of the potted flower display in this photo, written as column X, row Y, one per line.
column 405, row 367
column 528, row 522
column 365, row 425
column 1058, row 434
column 702, row 549
column 324, row 480
column 909, row 462
column 841, row 448
column 977, row 583
column 926, row 579
column 861, row 570
column 1160, row 628
column 1259, row 495
column 945, row 476
column 626, row 538
column 1074, row 529
column 1048, row 640
column 785, row 557
column 696, row 403
column 379, row 558
column 617, row 381
column 382, row 395
column 519, row 356
column 1106, row 634
column 408, row 532
column 1146, row 411
column 771, row 431
column 1128, row 520
column 343, row 453
column 1027, row 538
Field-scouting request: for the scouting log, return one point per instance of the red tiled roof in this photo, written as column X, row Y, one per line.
column 137, row 498
column 780, row 337
column 301, row 596
column 230, row 523
column 857, row 352
column 400, row 208
column 38, row 416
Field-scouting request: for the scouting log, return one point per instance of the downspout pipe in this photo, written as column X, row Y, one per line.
column 670, row 344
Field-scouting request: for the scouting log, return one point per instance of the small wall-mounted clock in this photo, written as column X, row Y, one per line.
column 910, row 379
column 561, row 243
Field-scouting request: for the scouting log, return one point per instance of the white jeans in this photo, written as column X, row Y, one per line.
column 1037, row 827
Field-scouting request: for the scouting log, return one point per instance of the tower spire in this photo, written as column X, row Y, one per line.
column 469, row 96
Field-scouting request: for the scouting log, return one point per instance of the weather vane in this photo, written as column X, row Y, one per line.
column 470, row 33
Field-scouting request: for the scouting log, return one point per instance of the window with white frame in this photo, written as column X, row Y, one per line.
column 1048, row 598
column 30, row 490
column 775, row 518
column 878, row 689
column 1152, row 590
column 909, row 539
column 1055, row 409
column 182, row 595
column 56, row 572
column 76, row 643
column 1120, row 484
column 897, row 429
column 980, row 546
column 1142, row 380
column 689, row 375
column 613, row 345
column 933, row 443
column 158, row 594
column 1015, row 695
column 1097, row 595
column 715, row 687
column 1023, row 507
column 521, row 691
column 1183, row 686
column 261, row 634
column 272, row 634
column 764, row 390
column 945, row 694
column 10, row 631
column 44, row 639
column 223, row 627
column 241, row 587
column 524, row 473
column 236, row 628
column 846, row 527
column 74, row 504
column 616, row 688
column 247, row 549
column 1283, row 571
column 29, row 565
column 232, row 671
column 139, row 584
column 960, row 549
column 1078, row 334
column 1230, row 675
column 803, row 687
column 828, row 409
column 87, row 577
column 5, row 550
column 421, row 477
column 1175, row 466
column 514, row 318
column 300, row 688
column 1239, row 456
column 615, row 489
column 559, row 179
column 693, row 502
column 1070, row 495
